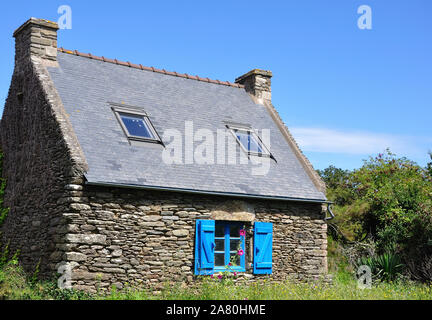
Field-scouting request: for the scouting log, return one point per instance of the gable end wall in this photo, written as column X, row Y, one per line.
column 42, row 162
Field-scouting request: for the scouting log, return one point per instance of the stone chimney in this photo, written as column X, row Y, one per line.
column 36, row 37
column 258, row 83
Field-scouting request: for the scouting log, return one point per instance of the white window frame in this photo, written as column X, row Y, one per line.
column 266, row 151
column 139, row 113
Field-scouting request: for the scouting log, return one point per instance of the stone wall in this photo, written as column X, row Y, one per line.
column 41, row 153
column 118, row 236
column 37, row 166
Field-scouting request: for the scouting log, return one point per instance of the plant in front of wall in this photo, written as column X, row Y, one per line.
column 230, row 270
column 385, row 267
column 240, row 251
column 35, row 275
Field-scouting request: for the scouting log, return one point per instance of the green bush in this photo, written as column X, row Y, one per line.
column 389, row 200
column 399, row 203
column 14, row 284
column 336, row 181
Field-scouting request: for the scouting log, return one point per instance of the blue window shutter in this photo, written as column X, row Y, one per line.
column 204, row 246
column 263, row 247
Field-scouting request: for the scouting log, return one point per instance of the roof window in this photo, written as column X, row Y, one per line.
column 249, row 141
column 136, row 124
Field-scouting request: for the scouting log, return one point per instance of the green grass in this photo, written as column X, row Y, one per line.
column 15, row 284
column 266, row 290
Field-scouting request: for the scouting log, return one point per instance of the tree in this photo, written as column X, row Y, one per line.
column 336, row 180
column 429, row 166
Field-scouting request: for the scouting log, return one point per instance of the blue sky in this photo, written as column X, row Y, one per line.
column 345, row 93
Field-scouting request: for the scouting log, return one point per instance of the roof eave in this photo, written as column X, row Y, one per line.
column 206, row 192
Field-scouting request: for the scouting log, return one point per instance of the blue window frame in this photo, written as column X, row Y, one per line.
column 229, row 247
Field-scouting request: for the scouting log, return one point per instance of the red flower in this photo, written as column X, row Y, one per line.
column 240, row 252
column 219, row 276
column 242, row 232
column 230, row 264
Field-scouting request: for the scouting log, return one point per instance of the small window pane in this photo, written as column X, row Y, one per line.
column 235, row 259
column 220, row 232
column 219, row 259
column 234, row 245
column 220, row 245
column 248, row 141
column 136, row 126
column 235, row 230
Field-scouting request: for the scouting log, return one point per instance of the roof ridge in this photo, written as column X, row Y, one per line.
column 141, row 67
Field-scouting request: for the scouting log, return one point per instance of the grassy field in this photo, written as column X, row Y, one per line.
column 287, row 291
column 344, row 287
column 15, row 285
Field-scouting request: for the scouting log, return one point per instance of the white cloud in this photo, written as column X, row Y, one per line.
column 345, row 142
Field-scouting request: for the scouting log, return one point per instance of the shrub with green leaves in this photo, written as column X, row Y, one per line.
column 398, row 194
column 337, row 182
column 389, row 200
column 386, row 267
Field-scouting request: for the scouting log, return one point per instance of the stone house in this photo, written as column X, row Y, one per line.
column 91, row 185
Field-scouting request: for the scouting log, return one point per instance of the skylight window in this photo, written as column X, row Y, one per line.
column 249, row 141
column 136, row 124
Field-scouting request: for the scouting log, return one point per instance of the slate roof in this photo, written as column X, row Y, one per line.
column 86, row 86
